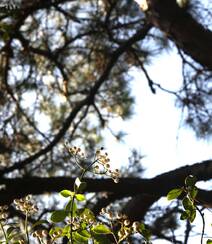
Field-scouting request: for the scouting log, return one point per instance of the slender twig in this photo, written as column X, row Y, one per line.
column 102, row 120
column 84, row 170
column 203, row 223
column 187, row 231
column 150, row 82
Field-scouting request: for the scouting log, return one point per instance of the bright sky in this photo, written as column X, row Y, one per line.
column 155, row 129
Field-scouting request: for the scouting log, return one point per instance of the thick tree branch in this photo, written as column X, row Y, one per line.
column 183, row 29
column 157, row 186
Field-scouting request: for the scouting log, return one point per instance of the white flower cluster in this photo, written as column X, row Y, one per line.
column 26, row 205
column 103, row 159
column 76, row 151
column 3, row 212
column 127, row 228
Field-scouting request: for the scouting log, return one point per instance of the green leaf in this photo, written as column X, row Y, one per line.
column 174, row 193
column 146, row 234
column 85, row 233
column 80, row 197
column 190, row 181
column 209, row 241
column 192, row 215
column 56, row 230
column 101, row 239
column 68, row 208
column 80, row 238
column 193, row 192
column 67, row 231
column 6, row 36
column 88, row 214
column 187, row 204
column 82, row 186
column 67, row 193
column 58, row 216
column 184, row 215
column 101, row 229
column 142, row 226
column 10, row 230
column 13, row 236
column 40, row 222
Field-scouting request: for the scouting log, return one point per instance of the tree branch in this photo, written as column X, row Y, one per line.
column 88, row 100
column 157, row 186
column 183, row 29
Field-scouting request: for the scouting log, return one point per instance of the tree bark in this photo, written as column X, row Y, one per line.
column 156, row 187
column 180, row 27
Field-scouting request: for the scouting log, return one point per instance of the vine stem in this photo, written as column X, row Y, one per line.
column 203, row 223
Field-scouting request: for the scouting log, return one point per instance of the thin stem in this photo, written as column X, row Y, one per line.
column 203, row 223
column 25, row 228
column 4, row 233
column 87, row 168
column 84, row 170
column 39, row 240
column 114, row 236
column 187, row 231
column 77, row 163
column 72, row 211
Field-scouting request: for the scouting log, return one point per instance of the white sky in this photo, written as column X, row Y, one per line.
column 155, row 129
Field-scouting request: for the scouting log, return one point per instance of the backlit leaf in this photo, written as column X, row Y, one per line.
column 101, row 229
column 174, row 193
column 58, row 216
column 67, row 193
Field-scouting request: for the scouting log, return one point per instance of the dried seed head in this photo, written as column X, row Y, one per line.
column 103, row 210
column 110, row 214
column 124, row 216
column 126, row 222
column 107, row 166
column 28, row 197
column 116, row 180
column 118, row 215
column 136, row 226
column 120, row 233
column 34, row 234
column 127, row 231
